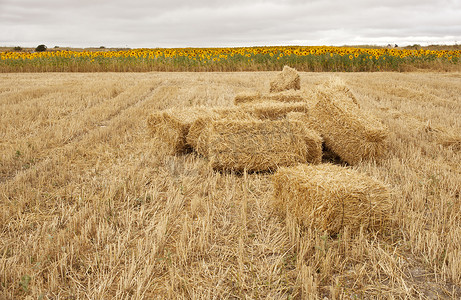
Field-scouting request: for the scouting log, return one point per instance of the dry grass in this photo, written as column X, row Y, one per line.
column 92, row 207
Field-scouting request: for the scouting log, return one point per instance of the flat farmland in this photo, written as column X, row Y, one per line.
column 92, row 207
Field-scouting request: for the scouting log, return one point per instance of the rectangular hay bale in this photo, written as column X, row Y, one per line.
column 257, row 145
column 329, row 197
column 347, row 131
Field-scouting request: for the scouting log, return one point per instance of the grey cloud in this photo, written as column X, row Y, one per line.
column 175, row 23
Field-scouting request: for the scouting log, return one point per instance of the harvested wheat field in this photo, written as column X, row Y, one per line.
column 93, row 207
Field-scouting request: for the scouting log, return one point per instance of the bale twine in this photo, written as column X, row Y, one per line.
column 286, row 80
column 256, row 145
column 329, row 197
column 172, row 126
column 347, row 131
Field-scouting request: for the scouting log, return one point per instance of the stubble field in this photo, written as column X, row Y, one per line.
column 91, row 207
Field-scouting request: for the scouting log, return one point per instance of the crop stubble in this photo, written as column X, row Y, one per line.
column 91, row 207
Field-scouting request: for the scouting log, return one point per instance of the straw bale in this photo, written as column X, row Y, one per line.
column 338, row 88
column 284, row 96
column 273, row 110
column 329, row 197
column 257, row 145
column 195, row 136
column 286, row 80
column 172, row 126
column 348, row 131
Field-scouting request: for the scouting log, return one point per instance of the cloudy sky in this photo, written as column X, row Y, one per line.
column 208, row 23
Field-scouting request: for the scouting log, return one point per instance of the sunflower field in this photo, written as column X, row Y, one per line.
column 303, row 58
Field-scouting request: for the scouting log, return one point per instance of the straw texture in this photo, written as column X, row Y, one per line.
column 196, row 137
column 246, row 97
column 284, row 96
column 450, row 140
column 273, row 110
column 302, row 117
column 329, row 197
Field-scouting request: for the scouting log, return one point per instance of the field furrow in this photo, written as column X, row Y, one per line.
column 55, row 129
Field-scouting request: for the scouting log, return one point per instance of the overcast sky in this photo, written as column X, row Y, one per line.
column 208, row 23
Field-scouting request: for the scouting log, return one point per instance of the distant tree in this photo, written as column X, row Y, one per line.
column 56, row 47
column 17, row 48
column 102, row 47
column 40, row 48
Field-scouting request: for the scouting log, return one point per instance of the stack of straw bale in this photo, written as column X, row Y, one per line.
column 329, row 197
column 347, row 131
column 246, row 112
column 172, row 126
column 180, row 129
column 256, row 145
column 286, row 80
column 331, row 110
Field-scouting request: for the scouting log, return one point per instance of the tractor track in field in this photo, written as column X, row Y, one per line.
column 68, row 145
